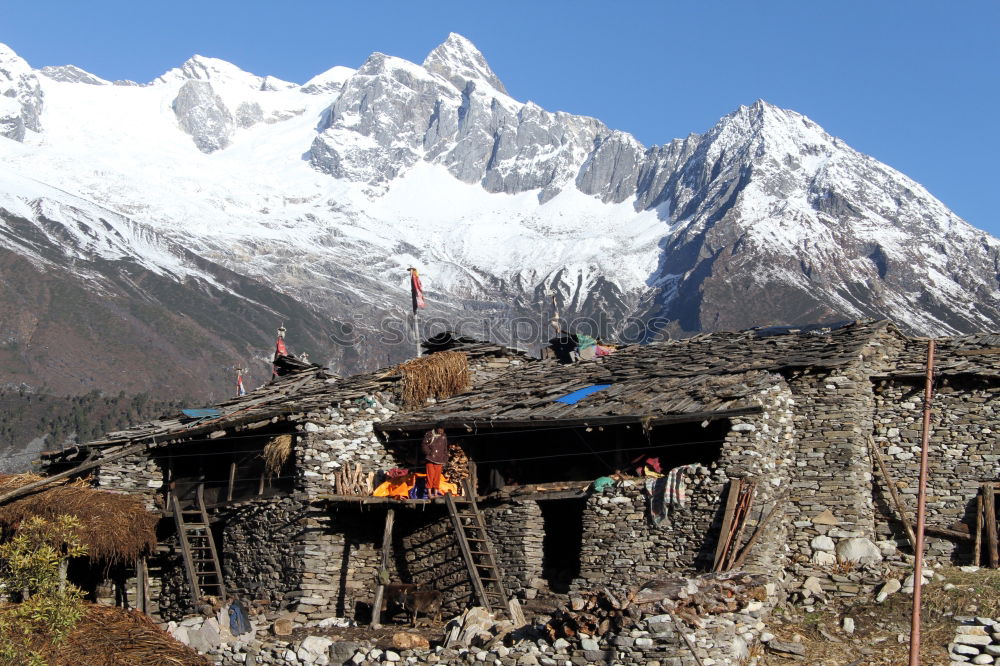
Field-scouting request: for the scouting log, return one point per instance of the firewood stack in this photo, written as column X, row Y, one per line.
column 353, row 481
column 711, row 594
column 457, row 468
column 592, row 614
column 598, row 614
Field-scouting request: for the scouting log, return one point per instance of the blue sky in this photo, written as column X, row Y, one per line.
column 914, row 83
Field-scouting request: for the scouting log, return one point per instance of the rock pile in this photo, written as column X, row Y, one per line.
column 977, row 641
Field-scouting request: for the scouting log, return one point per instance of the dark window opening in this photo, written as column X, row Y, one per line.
column 550, row 453
column 228, row 470
column 563, row 524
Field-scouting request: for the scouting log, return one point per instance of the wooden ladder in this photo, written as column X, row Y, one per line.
column 477, row 551
column 201, row 559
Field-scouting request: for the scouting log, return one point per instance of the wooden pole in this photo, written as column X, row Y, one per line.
column 390, row 516
column 918, row 560
column 978, row 545
column 232, row 481
column 891, row 485
column 990, row 523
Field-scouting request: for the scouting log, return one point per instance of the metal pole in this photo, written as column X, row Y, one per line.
column 918, row 559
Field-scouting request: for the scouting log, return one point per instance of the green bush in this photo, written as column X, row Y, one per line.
column 33, row 568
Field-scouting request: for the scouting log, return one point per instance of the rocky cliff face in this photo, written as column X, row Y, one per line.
column 323, row 194
column 20, row 96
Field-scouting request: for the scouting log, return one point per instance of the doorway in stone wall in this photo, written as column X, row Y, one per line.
column 563, row 523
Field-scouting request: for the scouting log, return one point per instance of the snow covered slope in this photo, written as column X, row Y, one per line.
column 327, row 191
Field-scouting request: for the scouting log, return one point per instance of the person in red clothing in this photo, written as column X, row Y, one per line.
column 435, row 449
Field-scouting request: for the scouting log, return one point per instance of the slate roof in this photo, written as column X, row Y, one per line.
column 709, row 374
column 976, row 354
column 307, row 390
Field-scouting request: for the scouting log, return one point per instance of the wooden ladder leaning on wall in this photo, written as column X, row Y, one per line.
column 480, row 558
column 201, row 559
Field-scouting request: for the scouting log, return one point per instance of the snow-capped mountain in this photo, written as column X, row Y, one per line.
column 324, row 193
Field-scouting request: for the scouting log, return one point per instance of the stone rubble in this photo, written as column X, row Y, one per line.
column 977, row 641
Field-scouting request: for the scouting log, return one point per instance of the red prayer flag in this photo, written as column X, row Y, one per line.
column 416, row 290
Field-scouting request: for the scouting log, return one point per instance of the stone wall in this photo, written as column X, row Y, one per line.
column 621, row 546
column 963, row 454
column 831, row 488
column 259, row 556
column 517, row 531
column 340, row 435
column 136, row 475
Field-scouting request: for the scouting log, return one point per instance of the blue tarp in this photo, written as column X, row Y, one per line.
column 579, row 394
column 201, row 413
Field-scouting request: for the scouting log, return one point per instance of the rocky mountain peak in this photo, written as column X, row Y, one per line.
column 72, row 74
column 459, row 61
column 215, row 70
column 20, row 96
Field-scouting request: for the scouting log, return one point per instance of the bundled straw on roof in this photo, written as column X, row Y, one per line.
column 439, row 376
column 112, row 636
column 115, row 528
column 276, row 453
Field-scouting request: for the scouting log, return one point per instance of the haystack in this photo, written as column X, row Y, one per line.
column 116, row 528
column 277, row 452
column 112, row 636
column 438, row 376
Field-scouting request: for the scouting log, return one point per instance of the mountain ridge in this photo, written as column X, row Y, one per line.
column 326, row 192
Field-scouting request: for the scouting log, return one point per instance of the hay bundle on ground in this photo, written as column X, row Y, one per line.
column 115, row 528
column 439, row 376
column 112, row 636
column 276, row 454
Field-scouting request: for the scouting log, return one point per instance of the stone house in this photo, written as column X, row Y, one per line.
column 794, row 412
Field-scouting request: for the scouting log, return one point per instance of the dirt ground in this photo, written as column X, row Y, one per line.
column 882, row 631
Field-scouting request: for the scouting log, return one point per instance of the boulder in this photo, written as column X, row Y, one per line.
column 859, row 550
column 407, row 640
column 822, row 543
column 892, row 586
column 314, row 650
column 282, row 626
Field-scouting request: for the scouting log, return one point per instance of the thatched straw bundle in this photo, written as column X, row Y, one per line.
column 276, row 453
column 115, row 528
column 112, row 636
column 439, row 375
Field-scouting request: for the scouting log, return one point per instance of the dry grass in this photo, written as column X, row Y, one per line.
column 276, row 453
column 876, row 641
column 115, row 528
column 111, row 636
column 439, row 376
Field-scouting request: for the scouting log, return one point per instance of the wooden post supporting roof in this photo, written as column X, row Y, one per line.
column 383, row 571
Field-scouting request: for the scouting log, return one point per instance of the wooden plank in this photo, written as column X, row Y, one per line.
column 990, row 513
column 390, row 516
column 977, row 547
column 891, row 485
column 741, row 558
column 746, row 501
column 232, row 481
column 727, row 521
column 142, row 586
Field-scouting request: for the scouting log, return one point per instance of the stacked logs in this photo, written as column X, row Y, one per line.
column 353, row 481
column 711, row 594
column 592, row 614
column 457, row 467
column 598, row 614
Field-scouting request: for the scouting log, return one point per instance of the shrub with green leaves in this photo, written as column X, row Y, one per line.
column 42, row 607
